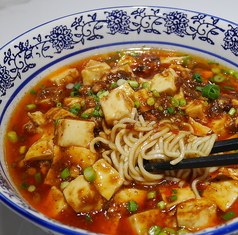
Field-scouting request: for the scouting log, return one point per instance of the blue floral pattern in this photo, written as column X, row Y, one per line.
column 231, row 40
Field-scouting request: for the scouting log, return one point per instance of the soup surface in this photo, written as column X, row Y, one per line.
column 78, row 150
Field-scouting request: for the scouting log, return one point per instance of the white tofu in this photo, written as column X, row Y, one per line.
column 37, row 117
column 182, row 194
column 69, row 101
column 199, row 128
column 82, row 196
column 42, row 149
column 57, row 113
column 165, row 82
column 144, row 220
column 127, row 88
column 108, row 180
column 94, row 71
column 142, row 95
column 52, row 174
column 81, row 156
column 127, row 59
column 196, row 214
column 172, row 60
column 66, row 76
column 196, row 109
column 219, row 125
column 56, row 202
column 116, row 105
column 70, row 132
column 124, row 67
column 223, row 193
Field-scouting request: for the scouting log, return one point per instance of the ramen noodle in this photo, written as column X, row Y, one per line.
column 86, row 131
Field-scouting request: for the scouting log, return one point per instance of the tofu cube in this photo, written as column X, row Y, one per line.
column 66, row 76
column 127, row 88
column 42, row 149
column 55, row 202
column 182, row 194
column 108, row 180
column 223, row 193
column 69, row 101
column 124, row 67
column 144, row 220
column 116, row 105
column 70, row 132
column 37, row 117
column 165, row 82
column 196, row 109
column 199, row 128
column 123, row 196
column 94, row 71
column 142, row 96
column 81, row 156
column 82, row 196
column 197, row 214
column 57, row 113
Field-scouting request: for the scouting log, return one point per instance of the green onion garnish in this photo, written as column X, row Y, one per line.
column 219, row 78
column 65, row 173
column 12, row 136
column 89, row 174
column 211, row 91
column 170, row 110
column 172, row 198
column 133, row 84
column 229, row 88
column 150, row 101
column 175, row 102
column 232, row 111
column 197, row 77
column 154, row 230
column 146, row 85
column 132, row 206
column 229, row 215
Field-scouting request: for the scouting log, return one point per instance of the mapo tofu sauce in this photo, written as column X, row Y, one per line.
column 53, row 166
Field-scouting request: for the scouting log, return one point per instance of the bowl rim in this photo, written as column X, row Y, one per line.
column 54, row 225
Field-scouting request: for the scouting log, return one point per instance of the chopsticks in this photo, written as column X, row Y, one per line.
column 201, row 162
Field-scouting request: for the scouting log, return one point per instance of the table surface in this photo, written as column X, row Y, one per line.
column 18, row 16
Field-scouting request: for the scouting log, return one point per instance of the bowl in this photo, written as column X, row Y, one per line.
column 31, row 56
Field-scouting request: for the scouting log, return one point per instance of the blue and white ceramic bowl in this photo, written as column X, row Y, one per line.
column 34, row 54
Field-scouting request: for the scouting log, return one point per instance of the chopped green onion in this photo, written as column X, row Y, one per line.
column 229, row 215
column 133, row 53
column 231, row 71
column 235, row 75
column 160, row 108
column 75, row 108
column 77, row 86
column 22, row 149
column 229, row 88
column 198, row 88
column 174, row 191
column 146, row 85
column 154, row 230
column 172, row 198
column 89, row 217
column 24, row 185
column 161, row 205
column 137, row 104
column 232, row 111
column 134, row 84
column 31, row 188
column 211, row 91
column 85, row 115
column 151, row 194
column 188, row 62
column 59, row 105
column 182, row 102
column 95, row 113
column 169, row 231
column 74, row 94
column 100, row 112
column 56, row 121
column 96, row 98
column 150, row 101
column 65, row 173
column 132, row 206
column 38, row 177
column 89, row 174
column 114, row 84
column 63, row 185
column 175, row 102
column 102, row 93
column 182, row 231
column 216, row 70
column 90, row 93
column 170, row 110
column 121, row 82
column 33, row 92
column 197, row 77
column 30, row 106
column 219, row 78
column 181, row 112
column 155, row 93
column 12, row 136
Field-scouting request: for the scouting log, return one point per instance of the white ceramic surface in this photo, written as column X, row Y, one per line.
column 74, row 44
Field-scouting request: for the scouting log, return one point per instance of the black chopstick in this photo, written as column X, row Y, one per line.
column 202, row 162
